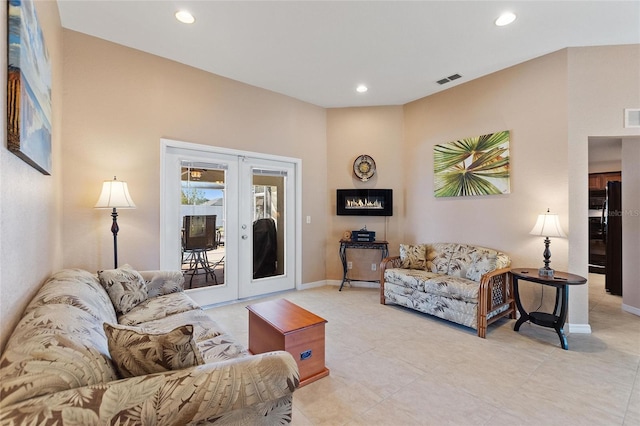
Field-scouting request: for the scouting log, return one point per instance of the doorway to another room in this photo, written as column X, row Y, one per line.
column 605, row 207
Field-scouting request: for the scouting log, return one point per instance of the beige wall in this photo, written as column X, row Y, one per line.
column 30, row 202
column 603, row 81
column 530, row 101
column 119, row 102
column 631, row 225
column 375, row 131
column 517, row 99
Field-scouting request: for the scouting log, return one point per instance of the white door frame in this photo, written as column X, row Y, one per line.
column 168, row 248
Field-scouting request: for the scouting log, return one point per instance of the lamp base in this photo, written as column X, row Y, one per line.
column 545, row 272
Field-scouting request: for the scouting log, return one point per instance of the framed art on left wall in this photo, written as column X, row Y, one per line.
column 28, row 87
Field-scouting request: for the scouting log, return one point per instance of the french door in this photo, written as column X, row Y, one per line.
column 254, row 201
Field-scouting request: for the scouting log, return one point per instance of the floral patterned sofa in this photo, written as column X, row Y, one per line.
column 462, row 283
column 131, row 348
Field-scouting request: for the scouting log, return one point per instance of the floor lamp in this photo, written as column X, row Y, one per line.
column 115, row 195
column 547, row 225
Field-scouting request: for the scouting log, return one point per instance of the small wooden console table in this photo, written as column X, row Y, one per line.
column 279, row 325
column 345, row 244
column 561, row 281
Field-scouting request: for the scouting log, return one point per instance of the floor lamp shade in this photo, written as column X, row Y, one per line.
column 547, row 225
column 115, row 195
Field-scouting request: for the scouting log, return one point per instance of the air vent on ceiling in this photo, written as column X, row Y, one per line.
column 449, row 79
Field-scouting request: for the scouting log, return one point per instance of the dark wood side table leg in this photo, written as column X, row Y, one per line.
column 343, row 259
column 524, row 316
column 562, row 296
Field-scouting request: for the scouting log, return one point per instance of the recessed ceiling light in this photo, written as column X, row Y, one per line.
column 185, row 17
column 505, row 19
column 361, row 88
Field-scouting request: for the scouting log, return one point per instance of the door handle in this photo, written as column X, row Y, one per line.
column 244, row 237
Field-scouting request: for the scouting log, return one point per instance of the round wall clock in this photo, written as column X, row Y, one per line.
column 364, row 167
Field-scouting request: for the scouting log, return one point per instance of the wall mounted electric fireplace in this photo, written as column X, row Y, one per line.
column 364, row 202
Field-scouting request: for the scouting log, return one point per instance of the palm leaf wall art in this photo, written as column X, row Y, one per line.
column 472, row 166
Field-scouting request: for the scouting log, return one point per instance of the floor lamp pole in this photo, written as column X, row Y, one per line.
column 115, row 194
column 114, row 230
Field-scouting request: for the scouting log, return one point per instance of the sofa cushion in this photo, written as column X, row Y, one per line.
column 465, row 256
column 453, row 287
column 439, row 256
column 162, row 282
column 413, row 256
column 428, row 282
column 77, row 288
column 53, row 348
column 158, row 307
column 411, row 278
column 214, row 343
column 458, row 311
column 125, row 286
column 502, row 260
column 138, row 351
column 482, row 263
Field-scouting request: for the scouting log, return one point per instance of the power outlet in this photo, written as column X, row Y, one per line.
column 349, row 265
column 374, row 267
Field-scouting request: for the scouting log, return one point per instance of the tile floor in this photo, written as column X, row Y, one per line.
column 393, row 366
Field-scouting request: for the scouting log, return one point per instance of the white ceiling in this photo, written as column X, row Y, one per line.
column 319, row 51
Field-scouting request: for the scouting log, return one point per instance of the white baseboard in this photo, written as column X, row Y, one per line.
column 579, row 328
column 631, row 309
column 364, row 284
column 306, row 286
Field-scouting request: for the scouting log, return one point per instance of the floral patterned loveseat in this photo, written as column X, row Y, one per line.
column 74, row 359
column 462, row 283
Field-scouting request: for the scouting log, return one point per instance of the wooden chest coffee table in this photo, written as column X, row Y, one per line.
column 279, row 325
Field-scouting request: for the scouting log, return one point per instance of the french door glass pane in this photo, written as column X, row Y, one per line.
column 268, row 224
column 203, row 220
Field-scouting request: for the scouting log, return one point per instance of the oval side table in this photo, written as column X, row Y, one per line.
column 561, row 281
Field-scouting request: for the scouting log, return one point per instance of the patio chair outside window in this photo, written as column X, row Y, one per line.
column 199, row 236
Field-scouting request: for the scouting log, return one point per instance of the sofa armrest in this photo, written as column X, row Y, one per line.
column 495, row 295
column 197, row 394
column 495, row 272
column 387, row 263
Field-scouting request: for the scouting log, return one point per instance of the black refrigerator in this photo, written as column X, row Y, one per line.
column 613, row 238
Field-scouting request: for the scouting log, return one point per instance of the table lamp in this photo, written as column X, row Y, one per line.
column 547, row 225
column 115, row 195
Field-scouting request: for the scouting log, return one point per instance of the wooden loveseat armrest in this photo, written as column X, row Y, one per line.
column 387, row 263
column 495, row 292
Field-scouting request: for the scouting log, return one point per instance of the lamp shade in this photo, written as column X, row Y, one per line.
column 548, row 225
column 115, row 194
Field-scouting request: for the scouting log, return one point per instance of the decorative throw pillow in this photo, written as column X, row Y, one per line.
column 163, row 282
column 413, row 256
column 137, row 351
column 125, row 287
column 483, row 262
